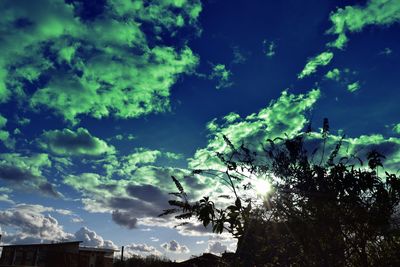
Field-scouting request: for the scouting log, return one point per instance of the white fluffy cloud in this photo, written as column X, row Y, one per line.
column 174, row 247
column 92, row 239
column 28, row 223
column 5, row 195
column 140, row 249
column 216, row 248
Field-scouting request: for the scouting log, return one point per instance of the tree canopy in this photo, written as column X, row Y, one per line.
column 324, row 211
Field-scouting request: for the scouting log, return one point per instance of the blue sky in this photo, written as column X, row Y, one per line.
column 102, row 101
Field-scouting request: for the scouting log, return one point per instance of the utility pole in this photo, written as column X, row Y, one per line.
column 122, row 253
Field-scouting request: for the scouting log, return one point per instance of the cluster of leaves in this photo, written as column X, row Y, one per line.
column 336, row 212
column 231, row 218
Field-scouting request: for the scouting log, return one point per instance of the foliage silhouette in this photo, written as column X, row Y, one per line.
column 337, row 212
column 150, row 261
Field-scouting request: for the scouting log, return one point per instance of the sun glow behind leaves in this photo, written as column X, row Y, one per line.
column 259, row 183
column 262, row 187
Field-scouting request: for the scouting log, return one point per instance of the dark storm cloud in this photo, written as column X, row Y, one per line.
column 48, row 189
column 109, row 187
column 147, row 193
column 142, row 194
column 74, row 143
column 26, row 180
column 148, row 201
column 136, row 206
column 15, row 174
column 126, row 219
column 194, row 184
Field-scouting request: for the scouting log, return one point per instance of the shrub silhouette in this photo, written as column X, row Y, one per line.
column 336, row 212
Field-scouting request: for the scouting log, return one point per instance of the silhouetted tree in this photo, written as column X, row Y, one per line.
column 336, row 212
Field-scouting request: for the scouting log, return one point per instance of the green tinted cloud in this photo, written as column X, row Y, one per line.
column 355, row 18
column 396, row 128
column 102, row 67
column 322, row 59
column 352, row 87
column 360, row 146
column 5, row 135
column 25, row 172
column 333, row 74
column 286, row 115
column 222, row 75
column 269, row 48
column 125, row 166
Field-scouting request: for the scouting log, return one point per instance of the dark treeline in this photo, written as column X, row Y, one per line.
column 149, row 261
column 205, row 260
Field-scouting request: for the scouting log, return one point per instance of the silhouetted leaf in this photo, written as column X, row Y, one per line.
column 238, row 203
column 178, row 185
column 187, row 215
column 181, row 224
column 228, row 142
column 168, row 211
